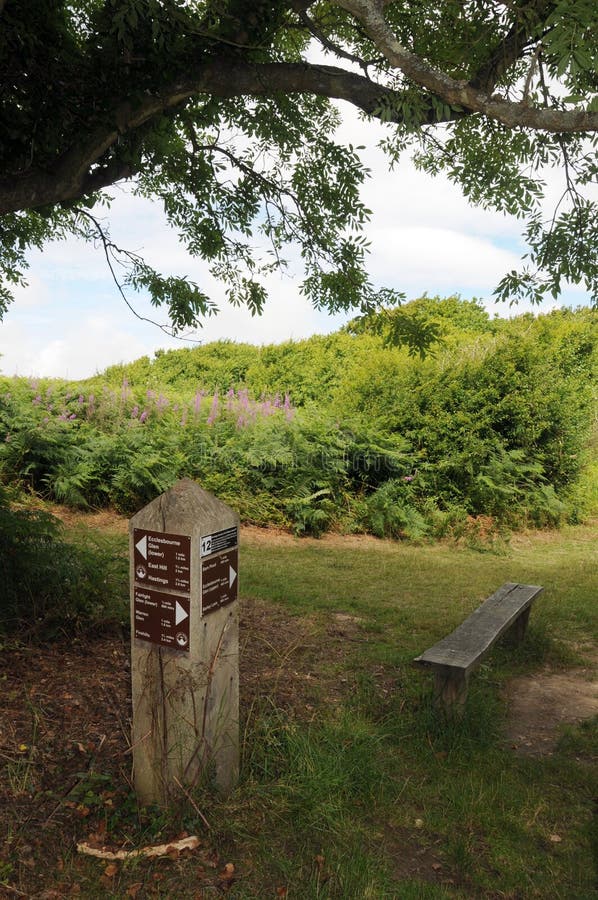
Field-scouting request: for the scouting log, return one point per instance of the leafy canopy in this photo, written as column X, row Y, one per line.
column 221, row 110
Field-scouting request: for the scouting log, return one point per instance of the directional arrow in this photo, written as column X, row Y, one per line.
column 231, row 576
column 142, row 546
column 179, row 613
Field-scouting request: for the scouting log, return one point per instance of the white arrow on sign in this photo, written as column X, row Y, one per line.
column 142, row 546
column 231, row 576
column 179, row 613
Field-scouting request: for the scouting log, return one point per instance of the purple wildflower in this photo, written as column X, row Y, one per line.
column 161, row 403
column 135, row 412
column 214, row 410
column 143, row 416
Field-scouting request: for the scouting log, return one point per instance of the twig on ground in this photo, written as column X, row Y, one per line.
column 188, row 843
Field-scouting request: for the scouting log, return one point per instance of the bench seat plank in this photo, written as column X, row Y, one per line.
column 467, row 645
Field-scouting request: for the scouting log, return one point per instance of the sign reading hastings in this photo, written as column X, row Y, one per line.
column 162, row 560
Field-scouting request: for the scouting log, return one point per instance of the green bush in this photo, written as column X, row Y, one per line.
column 51, row 587
column 338, row 432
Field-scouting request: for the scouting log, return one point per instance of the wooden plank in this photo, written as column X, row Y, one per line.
column 467, row 645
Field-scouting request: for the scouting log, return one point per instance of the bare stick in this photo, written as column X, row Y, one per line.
column 189, row 843
column 192, row 802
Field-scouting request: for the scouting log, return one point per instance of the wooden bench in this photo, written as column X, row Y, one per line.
column 456, row 655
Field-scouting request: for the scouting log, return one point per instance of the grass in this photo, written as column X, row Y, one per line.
column 370, row 793
column 413, row 595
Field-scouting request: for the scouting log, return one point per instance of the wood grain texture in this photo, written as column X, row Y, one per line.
column 186, row 704
column 468, row 644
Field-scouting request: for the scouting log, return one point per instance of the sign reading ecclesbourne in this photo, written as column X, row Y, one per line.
column 162, row 560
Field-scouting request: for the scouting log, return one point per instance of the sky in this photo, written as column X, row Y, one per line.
column 71, row 322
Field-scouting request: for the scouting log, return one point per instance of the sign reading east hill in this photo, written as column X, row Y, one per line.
column 161, row 618
column 219, row 585
column 162, row 560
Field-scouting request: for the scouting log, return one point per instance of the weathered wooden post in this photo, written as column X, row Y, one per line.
column 184, row 643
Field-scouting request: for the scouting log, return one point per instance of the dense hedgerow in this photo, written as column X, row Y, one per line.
column 342, row 432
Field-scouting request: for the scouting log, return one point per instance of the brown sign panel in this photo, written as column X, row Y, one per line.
column 161, row 618
column 219, row 581
column 162, row 560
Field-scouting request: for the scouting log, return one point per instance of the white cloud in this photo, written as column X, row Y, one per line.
column 90, row 344
column 435, row 257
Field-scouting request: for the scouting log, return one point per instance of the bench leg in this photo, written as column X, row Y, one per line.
column 450, row 691
column 516, row 632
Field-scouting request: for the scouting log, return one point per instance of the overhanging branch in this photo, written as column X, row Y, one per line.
column 74, row 172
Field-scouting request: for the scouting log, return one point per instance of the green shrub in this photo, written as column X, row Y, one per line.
column 337, row 432
column 51, row 587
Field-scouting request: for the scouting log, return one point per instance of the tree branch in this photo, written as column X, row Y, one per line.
column 458, row 92
column 74, row 173
column 510, row 48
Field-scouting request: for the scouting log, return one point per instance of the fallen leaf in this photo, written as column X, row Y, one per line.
column 281, row 892
column 319, row 861
column 556, row 838
column 419, row 823
column 134, row 889
column 111, row 870
column 228, row 870
column 437, row 866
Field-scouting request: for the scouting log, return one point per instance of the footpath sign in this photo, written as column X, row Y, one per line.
column 184, row 573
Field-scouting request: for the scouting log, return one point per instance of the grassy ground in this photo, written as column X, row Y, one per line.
column 352, row 784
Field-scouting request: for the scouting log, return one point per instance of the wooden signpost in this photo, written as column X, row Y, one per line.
column 184, row 643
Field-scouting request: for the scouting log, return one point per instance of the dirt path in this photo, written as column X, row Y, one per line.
column 540, row 704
